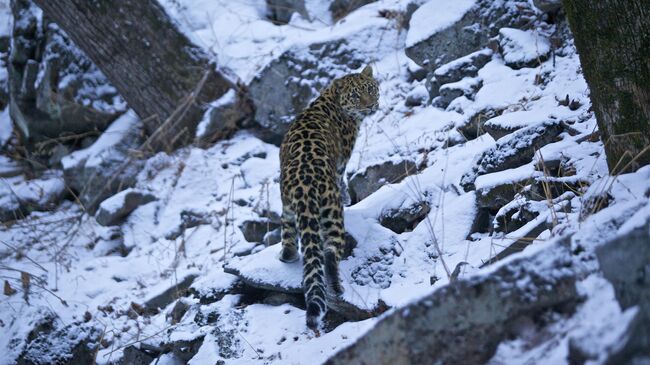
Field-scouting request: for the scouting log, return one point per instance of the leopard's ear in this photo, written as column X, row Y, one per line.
column 367, row 71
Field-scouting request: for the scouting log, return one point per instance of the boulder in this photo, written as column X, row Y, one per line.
column 625, row 262
column 69, row 345
column 456, row 70
column 280, row 11
column 170, row 294
column 224, row 116
column 56, row 93
column 107, row 166
column 466, row 87
column 405, row 219
column 506, row 123
column 438, row 34
column 476, row 314
column 341, row 8
column 19, row 197
column 521, row 48
column 302, row 72
column 548, row 6
column 115, row 209
column 362, row 184
column 255, row 230
column 514, row 150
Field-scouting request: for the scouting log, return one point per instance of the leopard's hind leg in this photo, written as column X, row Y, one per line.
column 289, row 251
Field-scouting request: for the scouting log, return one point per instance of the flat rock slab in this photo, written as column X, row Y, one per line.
column 115, row 209
column 264, row 270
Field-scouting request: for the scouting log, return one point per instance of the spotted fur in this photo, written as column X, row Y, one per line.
column 313, row 156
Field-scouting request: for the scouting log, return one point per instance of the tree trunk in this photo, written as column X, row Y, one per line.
column 163, row 76
column 613, row 40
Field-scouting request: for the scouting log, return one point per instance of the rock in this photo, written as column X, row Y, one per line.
column 625, row 262
column 272, row 237
column 137, row 355
column 184, row 350
column 448, row 92
column 178, row 311
column 255, row 230
column 494, row 196
column 341, row 8
column 168, row 296
column 466, row 66
column 280, row 11
column 515, row 215
column 107, row 166
column 513, row 151
column 362, row 184
column 110, row 242
column 473, row 128
column 19, row 197
column 405, row 220
column 523, row 48
column 417, row 96
column 54, row 89
column 115, row 209
column 224, row 116
column 477, row 313
column 457, row 70
column 506, row 123
column 69, row 345
column 302, row 72
column 438, row 35
column 548, row 6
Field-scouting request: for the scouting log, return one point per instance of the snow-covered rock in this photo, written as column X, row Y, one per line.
column 113, row 210
column 441, row 31
column 523, row 48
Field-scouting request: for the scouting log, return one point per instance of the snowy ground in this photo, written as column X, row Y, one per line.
column 65, row 251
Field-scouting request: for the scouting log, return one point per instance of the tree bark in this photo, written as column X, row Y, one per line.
column 152, row 64
column 613, row 40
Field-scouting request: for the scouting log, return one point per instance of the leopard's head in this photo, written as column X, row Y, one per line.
column 358, row 94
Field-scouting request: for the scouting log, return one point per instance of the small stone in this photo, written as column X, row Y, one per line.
column 115, row 209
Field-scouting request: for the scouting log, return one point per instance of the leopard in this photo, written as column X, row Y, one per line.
column 313, row 157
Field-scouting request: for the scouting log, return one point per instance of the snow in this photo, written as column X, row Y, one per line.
column 237, row 180
column 92, row 156
column 434, row 16
column 523, row 46
column 6, row 127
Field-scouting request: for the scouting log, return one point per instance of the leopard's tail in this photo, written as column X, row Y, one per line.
column 313, row 275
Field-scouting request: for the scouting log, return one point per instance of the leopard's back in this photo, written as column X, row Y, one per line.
column 313, row 156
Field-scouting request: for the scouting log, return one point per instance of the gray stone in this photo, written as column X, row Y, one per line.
column 231, row 112
column 470, row 33
column 54, row 89
column 362, row 184
column 171, row 294
column 474, row 314
column 255, row 230
column 548, row 6
column 272, row 237
column 495, row 196
column 466, row 66
column 514, row 150
column 280, row 11
column 405, row 220
column 447, row 93
column 286, row 86
column 475, row 126
column 19, row 198
column 70, row 345
column 115, row 209
column 523, row 48
column 138, row 355
column 341, row 8
column 103, row 170
column 625, row 262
